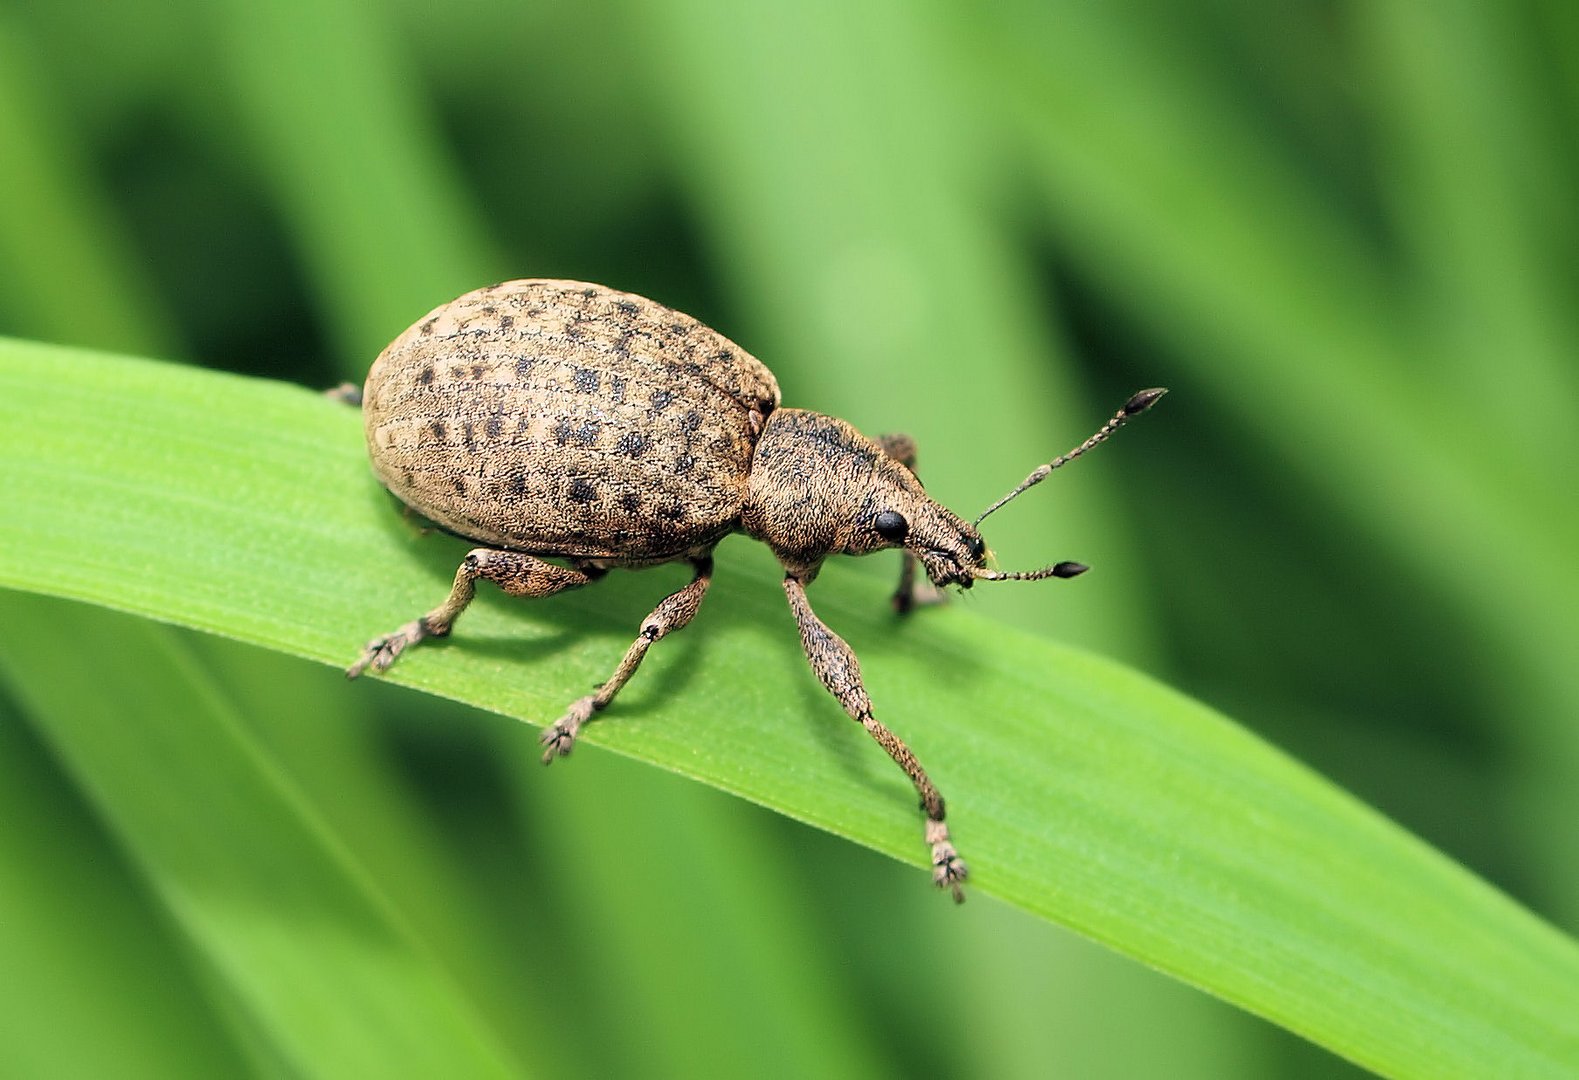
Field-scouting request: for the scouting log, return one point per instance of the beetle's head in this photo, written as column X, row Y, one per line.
column 897, row 513
column 818, row 487
column 949, row 548
column 952, row 550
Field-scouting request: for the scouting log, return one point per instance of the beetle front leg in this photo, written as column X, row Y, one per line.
column 671, row 614
column 515, row 573
column 835, row 664
column 910, row 594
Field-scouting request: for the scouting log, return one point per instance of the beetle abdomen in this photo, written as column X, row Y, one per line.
column 564, row 418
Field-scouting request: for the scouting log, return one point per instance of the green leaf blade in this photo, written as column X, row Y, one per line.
column 1079, row 790
column 311, row 954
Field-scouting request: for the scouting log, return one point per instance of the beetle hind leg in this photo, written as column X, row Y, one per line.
column 671, row 614
column 514, row 572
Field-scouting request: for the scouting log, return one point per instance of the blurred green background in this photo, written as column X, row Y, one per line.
column 1343, row 234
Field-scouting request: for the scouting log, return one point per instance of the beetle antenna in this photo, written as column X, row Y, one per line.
column 1132, row 408
column 1058, row 570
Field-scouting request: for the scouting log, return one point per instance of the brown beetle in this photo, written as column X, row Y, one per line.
column 558, row 419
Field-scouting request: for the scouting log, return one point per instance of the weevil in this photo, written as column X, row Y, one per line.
column 560, row 420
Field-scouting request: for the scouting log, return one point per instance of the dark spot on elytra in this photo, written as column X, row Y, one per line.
column 489, row 309
column 440, row 432
column 494, row 427
column 589, row 293
column 582, row 491
column 723, row 444
column 661, row 400
column 425, row 376
column 524, row 365
column 627, row 308
column 617, row 389
column 674, row 512
column 478, row 369
column 691, row 420
column 632, row 444
column 562, row 431
column 724, row 356
column 587, row 433
column 622, row 344
column 630, row 501
column 427, row 327
column 679, row 329
column 518, row 484
column 459, row 483
column 684, row 463
column 469, row 435
column 587, row 381
column 506, row 321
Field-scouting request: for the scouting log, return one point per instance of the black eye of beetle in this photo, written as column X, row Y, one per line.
column 891, row 525
column 977, row 548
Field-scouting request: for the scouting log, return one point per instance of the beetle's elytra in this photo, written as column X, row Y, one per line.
column 563, row 420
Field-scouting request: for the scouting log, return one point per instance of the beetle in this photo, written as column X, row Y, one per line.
column 546, row 419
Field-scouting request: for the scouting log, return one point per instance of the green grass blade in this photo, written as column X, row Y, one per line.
column 310, row 953
column 1082, row 791
column 753, row 964
column 81, row 942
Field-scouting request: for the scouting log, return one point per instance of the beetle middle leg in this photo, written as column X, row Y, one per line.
column 911, row 593
column 673, row 612
column 516, row 573
column 835, row 664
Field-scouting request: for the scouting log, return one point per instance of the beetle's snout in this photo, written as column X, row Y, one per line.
column 945, row 568
column 957, row 559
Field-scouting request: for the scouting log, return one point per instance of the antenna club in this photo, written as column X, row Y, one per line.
column 1069, row 569
column 1143, row 401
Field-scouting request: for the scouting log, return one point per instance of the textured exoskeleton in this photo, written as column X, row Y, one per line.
column 563, row 420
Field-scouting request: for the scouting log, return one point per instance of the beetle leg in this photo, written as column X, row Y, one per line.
column 835, row 664
column 910, row 594
column 346, row 393
column 515, row 573
column 671, row 614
